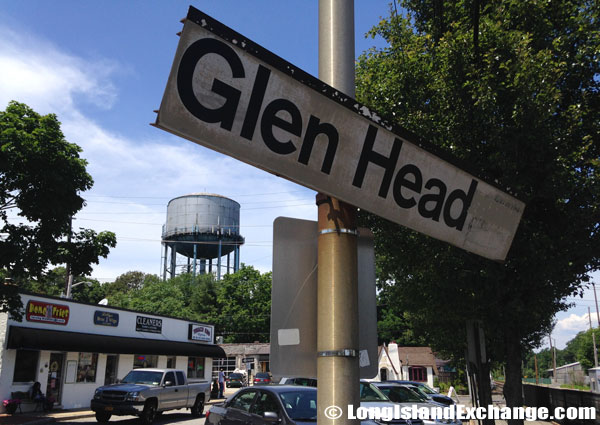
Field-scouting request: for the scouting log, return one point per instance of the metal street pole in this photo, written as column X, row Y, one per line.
column 553, row 359
column 337, row 288
column 596, row 298
column 537, row 376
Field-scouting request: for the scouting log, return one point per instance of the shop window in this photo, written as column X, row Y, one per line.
column 171, row 362
column 86, row 367
column 144, row 360
column 417, row 373
column 26, row 366
column 196, row 367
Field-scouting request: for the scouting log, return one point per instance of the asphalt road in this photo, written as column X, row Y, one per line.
column 181, row 417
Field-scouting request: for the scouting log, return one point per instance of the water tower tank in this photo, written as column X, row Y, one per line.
column 202, row 226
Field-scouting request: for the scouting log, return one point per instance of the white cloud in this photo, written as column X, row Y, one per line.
column 147, row 173
column 36, row 72
column 567, row 328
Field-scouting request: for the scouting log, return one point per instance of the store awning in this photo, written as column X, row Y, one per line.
column 21, row 338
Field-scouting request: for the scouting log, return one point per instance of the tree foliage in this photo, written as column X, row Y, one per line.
column 239, row 305
column 244, row 300
column 41, row 177
column 512, row 89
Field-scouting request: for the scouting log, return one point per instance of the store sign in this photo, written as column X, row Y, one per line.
column 39, row 311
column 106, row 318
column 148, row 324
column 202, row 333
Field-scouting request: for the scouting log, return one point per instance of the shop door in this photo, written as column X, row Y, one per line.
column 54, row 386
column 110, row 375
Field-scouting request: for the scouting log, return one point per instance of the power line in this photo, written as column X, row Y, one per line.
column 168, row 198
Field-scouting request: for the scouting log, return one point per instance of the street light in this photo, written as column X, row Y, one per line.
column 72, row 285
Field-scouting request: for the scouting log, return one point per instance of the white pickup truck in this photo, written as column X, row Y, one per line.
column 148, row 392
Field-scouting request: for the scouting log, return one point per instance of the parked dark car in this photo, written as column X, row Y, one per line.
column 235, row 380
column 267, row 405
column 427, row 392
column 408, row 396
column 298, row 380
column 262, row 378
column 285, row 404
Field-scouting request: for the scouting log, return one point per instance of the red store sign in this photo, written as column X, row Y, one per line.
column 39, row 311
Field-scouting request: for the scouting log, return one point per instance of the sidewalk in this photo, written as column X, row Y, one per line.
column 42, row 418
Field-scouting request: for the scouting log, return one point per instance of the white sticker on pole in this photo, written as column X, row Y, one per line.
column 288, row 336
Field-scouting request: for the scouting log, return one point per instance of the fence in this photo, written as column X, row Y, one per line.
column 538, row 396
column 544, row 381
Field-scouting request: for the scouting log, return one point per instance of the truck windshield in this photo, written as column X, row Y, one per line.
column 142, row 377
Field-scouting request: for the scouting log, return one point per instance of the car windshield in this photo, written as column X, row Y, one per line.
column 401, row 394
column 262, row 375
column 300, row 405
column 371, row 393
column 426, row 389
column 235, row 376
column 420, row 391
column 142, row 377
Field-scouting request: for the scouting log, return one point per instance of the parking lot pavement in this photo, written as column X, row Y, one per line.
column 86, row 415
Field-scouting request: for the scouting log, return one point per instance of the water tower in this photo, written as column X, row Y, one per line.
column 201, row 229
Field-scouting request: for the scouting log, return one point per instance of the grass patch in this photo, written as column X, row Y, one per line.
column 575, row 387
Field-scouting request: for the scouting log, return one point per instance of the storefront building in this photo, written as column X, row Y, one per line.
column 72, row 348
column 249, row 359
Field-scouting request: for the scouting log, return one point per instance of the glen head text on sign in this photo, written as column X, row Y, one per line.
column 229, row 94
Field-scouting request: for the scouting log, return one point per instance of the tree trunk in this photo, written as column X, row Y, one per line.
column 513, row 386
column 484, row 389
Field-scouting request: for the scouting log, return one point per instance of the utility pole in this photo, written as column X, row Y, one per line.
column 337, row 288
column 69, row 277
column 537, row 376
column 593, row 338
column 596, row 298
column 553, row 358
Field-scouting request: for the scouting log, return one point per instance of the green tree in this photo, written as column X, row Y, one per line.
column 239, row 305
column 41, row 176
column 129, row 281
column 53, row 284
column 244, row 300
column 581, row 349
column 511, row 88
column 162, row 297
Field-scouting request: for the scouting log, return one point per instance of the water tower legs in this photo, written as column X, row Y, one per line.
column 219, row 262
column 173, row 260
column 236, row 258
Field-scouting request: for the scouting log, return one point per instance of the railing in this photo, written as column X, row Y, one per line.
column 228, row 230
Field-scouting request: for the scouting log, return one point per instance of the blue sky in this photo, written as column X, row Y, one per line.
column 102, row 67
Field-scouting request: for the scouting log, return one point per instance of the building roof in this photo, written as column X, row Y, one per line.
column 252, row 349
column 417, row 356
column 563, row 366
column 384, row 348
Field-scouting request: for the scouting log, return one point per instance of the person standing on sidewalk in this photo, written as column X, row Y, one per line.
column 221, row 384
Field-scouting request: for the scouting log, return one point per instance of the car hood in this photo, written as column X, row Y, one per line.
column 124, row 387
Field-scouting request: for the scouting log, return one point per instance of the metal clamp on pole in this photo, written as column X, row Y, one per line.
column 348, row 352
column 347, row 231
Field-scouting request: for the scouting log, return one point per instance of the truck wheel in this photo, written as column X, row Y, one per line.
column 198, row 407
column 103, row 417
column 148, row 414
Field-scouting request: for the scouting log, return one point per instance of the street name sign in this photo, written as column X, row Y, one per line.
column 229, row 94
column 294, row 300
